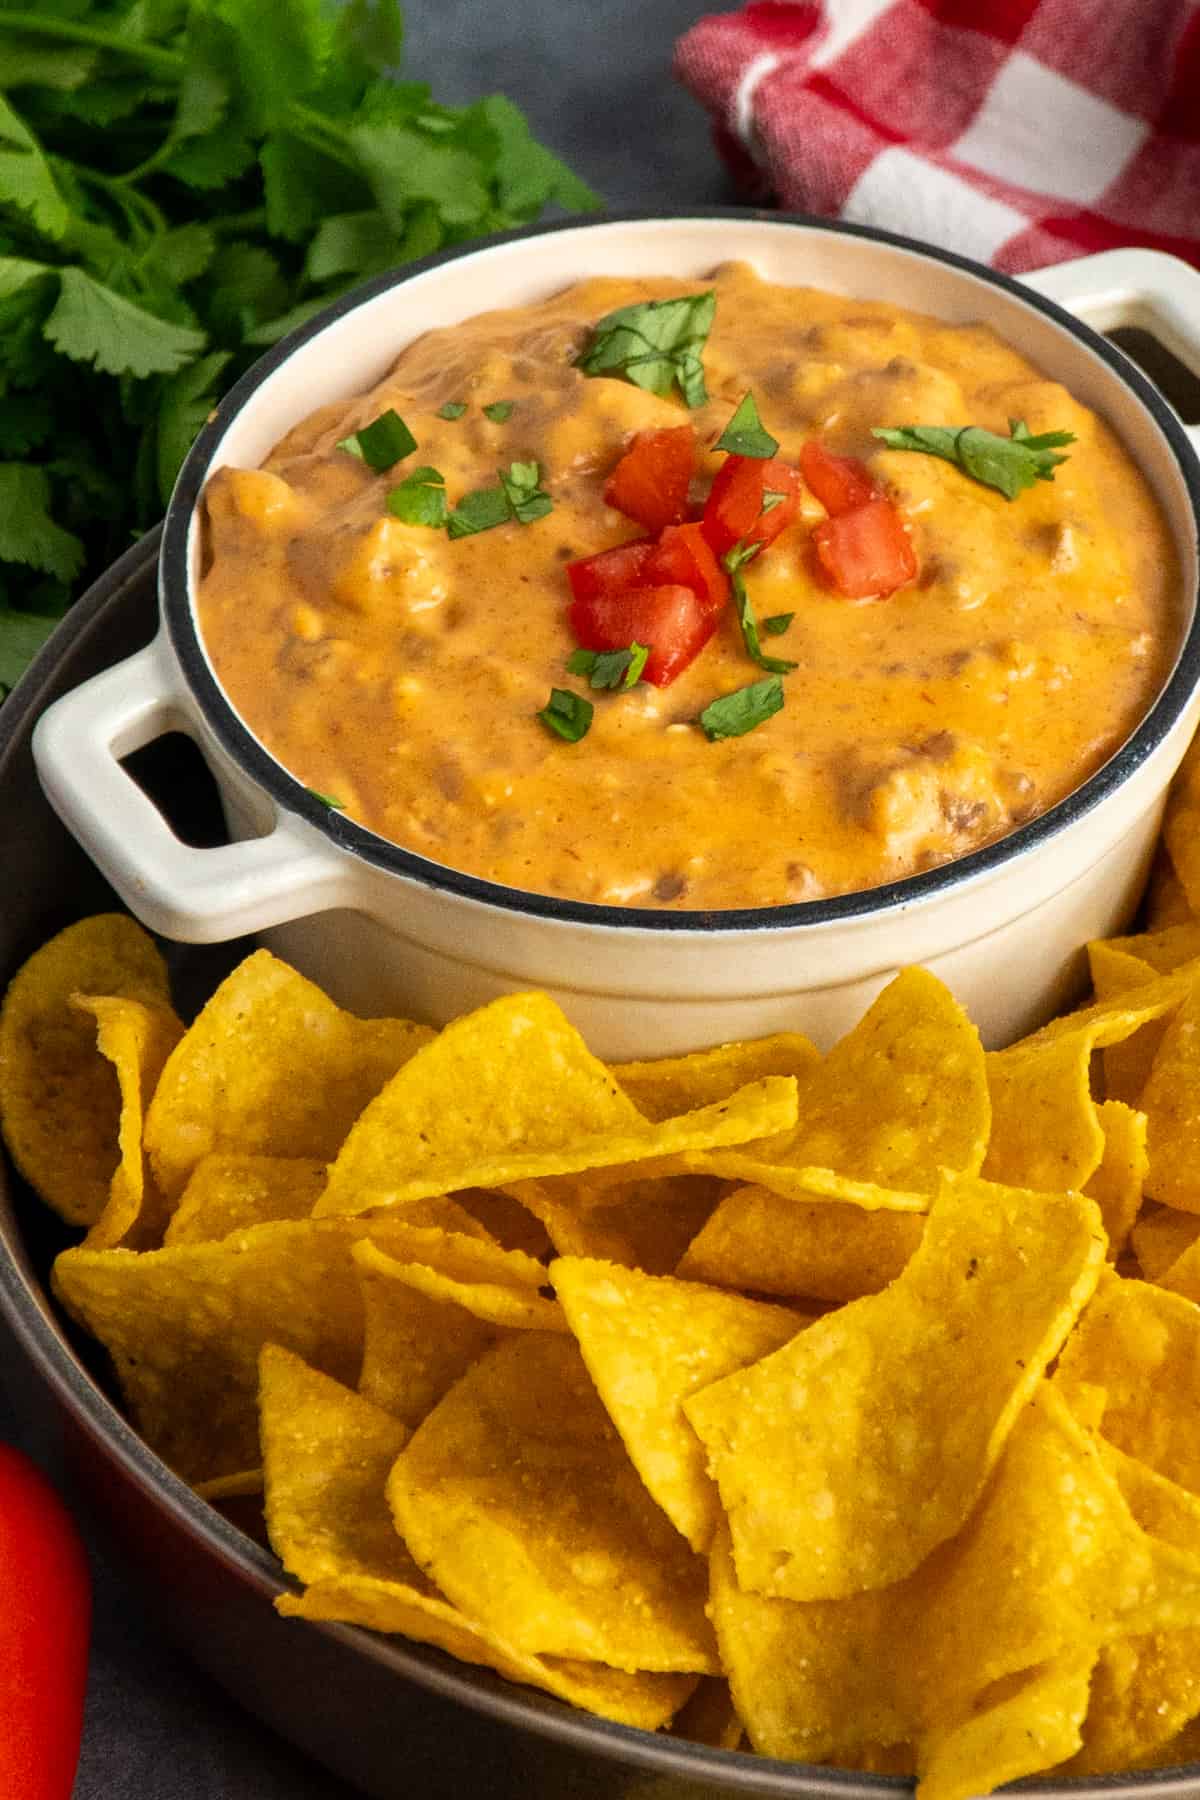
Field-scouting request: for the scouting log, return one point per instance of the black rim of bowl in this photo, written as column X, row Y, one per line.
column 292, row 796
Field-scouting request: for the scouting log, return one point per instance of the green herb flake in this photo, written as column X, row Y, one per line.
column 770, row 500
column 382, row 443
column 1008, row 464
column 453, row 409
column 528, row 500
column 326, row 800
column 420, row 499
column 610, row 668
column 745, row 436
column 479, row 511
column 732, row 563
column 567, row 715
column 733, row 715
column 656, row 345
column 777, row 624
column 498, row 411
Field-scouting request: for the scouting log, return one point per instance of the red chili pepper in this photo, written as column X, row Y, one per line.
column 840, row 482
column 650, row 483
column 673, row 623
column 682, row 558
column 733, row 512
column 867, row 551
column 45, row 1620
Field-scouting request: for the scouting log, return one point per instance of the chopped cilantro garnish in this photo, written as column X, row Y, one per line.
column 498, row 411
column 770, row 500
column 453, row 409
column 567, row 715
column 744, row 435
column 656, row 345
column 732, row 563
column 326, row 800
column 777, row 624
column 1009, row 464
column 381, row 443
column 420, row 499
column 479, row 511
column 733, row 715
column 610, row 668
column 527, row 499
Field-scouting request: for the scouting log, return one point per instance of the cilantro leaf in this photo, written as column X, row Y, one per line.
column 453, row 409
column 527, row 499
column 26, row 178
column 745, row 436
column 420, row 499
column 28, row 534
column 656, row 345
column 479, row 511
column 187, row 399
column 22, row 635
column 770, row 500
column 732, row 562
column 567, row 715
column 527, row 175
column 92, row 323
column 733, row 715
column 498, row 411
column 382, row 443
column 610, row 668
column 1009, row 464
column 351, row 243
column 777, row 624
column 326, row 800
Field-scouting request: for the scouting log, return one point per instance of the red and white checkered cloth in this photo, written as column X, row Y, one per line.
column 1019, row 132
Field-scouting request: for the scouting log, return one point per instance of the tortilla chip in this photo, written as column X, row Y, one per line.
column 505, row 1220
column 185, row 1325
column 902, row 1096
column 517, row 1497
column 679, row 1084
column 1050, row 1562
column 60, row 1102
column 1116, row 1185
column 271, row 1067
column 1171, row 1101
column 232, row 1193
column 511, row 1093
column 1165, row 902
column 709, row 1717
column 1141, row 1346
column 1120, row 965
column 648, row 1342
column 1183, row 1275
column 1160, row 1238
column 1181, row 824
column 898, row 1405
column 327, row 1454
column 758, row 1240
column 137, row 1039
column 424, row 1327
column 639, row 1224
column 1046, row 1131
column 1024, row 1724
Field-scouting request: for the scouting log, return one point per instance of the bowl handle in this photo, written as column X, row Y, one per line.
column 200, row 896
column 1147, row 288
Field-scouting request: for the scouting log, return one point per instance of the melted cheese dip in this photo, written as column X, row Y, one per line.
column 399, row 671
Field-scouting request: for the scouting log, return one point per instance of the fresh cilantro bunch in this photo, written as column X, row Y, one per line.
column 182, row 182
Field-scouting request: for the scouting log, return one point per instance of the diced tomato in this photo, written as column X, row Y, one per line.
column 672, row 621
column 734, row 508
column 682, row 557
column 650, row 483
column 866, row 551
column 610, row 571
column 840, row 482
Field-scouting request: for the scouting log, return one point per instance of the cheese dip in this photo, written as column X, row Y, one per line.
column 399, row 670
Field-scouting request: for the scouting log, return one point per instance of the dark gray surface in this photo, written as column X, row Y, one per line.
column 595, row 81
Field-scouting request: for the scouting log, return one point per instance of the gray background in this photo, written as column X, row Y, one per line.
column 594, row 78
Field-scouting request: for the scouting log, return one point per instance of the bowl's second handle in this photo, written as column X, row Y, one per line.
column 1146, row 288
column 198, row 896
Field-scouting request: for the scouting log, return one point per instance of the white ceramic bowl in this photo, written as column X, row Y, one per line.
column 383, row 929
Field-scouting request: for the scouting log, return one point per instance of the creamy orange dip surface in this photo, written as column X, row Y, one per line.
column 400, row 672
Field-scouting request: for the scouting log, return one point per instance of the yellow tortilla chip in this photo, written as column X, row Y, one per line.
column 1050, row 1562
column 679, row 1084
column 185, row 1325
column 1026, row 1723
column 1046, row 1132
column 759, row 1240
column 1171, row 1101
column 648, row 1342
column 1116, row 1185
column 271, row 1067
column 1120, row 965
column 1141, row 1346
column 517, row 1497
column 1160, row 1238
column 1181, row 824
column 137, row 1039
column 227, row 1193
column 897, row 1406
column 904, row 1095
column 327, row 1454
column 709, row 1717
column 639, row 1224
column 504, row 1219
column 60, row 1103
column 511, row 1093
column 432, row 1305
